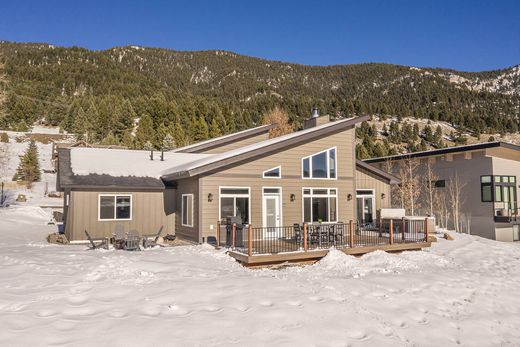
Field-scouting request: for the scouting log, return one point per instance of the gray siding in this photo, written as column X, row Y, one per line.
column 188, row 186
column 368, row 180
column 250, row 175
column 148, row 214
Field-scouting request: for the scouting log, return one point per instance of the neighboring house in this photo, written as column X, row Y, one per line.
column 306, row 176
column 489, row 172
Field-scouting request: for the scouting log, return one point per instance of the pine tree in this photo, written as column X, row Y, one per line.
column 4, row 138
column 110, row 139
column 168, row 142
column 214, row 130
column 145, row 132
column 178, row 135
column 148, row 146
column 199, row 130
column 29, row 168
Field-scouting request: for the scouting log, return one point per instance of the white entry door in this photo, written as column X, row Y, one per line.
column 272, row 212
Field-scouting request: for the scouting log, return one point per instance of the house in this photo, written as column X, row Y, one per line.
column 488, row 172
column 306, row 176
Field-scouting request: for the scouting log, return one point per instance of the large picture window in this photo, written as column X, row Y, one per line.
column 320, row 205
column 234, row 202
column 320, row 165
column 115, row 207
column 187, row 210
column 499, row 189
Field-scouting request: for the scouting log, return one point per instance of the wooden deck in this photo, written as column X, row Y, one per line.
column 312, row 256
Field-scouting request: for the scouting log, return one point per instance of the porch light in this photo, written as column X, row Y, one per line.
column 349, row 197
column 210, row 197
column 293, row 197
column 383, row 195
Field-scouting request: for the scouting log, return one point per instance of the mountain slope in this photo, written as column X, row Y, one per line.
column 178, row 87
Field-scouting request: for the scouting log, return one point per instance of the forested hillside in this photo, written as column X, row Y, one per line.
column 196, row 95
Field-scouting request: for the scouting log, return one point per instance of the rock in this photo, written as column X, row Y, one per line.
column 21, row 198
column 57, row 238
column 54, row 194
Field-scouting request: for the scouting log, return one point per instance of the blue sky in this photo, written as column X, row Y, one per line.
column 464, row 35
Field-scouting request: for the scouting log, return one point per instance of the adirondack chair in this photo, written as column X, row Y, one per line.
column 152, row 243
column 119, row 237
column 132, row 241
column 93, row 245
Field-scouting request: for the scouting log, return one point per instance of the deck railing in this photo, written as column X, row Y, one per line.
column 252, row 240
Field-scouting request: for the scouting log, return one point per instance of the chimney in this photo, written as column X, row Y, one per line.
column 162, row 155
column 315, row 119
column 151, row 154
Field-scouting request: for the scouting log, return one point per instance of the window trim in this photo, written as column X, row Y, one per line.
column 279, row 167
column 371, row 195
column 327, row 151
column 491, row 186
column 220, row 195
column 280, row 193
column 192, row 211
column 115, row 207
column 328, row 197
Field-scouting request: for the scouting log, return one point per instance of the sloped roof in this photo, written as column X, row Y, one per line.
column 114, row 168
column 454, row 149
column 378, row 172
column 226, row 139
column 220, row 160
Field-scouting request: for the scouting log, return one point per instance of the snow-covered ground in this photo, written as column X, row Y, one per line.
column 462, row 292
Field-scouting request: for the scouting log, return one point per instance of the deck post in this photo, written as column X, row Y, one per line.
column 426, row 229
column 218, row 234
column 351, row 228
column 305, row 246
column 250, row 240
column 403, row 228
column 234, row 234
column 391, row 231
column 380, row 227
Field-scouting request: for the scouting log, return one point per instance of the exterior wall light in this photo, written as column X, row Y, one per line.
column 349, row 197
column 293, row 197
column 383, row 195
column 210, row 197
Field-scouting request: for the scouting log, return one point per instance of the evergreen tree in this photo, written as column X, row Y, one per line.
column 178, row 135
column 29, row 168
column 145, row 132
column 4, row 138
column 214, row 130
column 148, row 146
column 168, row 142
column 109, row 140
column 199, row 130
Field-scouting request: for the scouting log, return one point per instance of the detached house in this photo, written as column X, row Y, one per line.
column 306, row 176
column 489, row 174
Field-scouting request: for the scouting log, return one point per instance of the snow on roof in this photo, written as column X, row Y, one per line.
column 126, row 163
column 190, row 165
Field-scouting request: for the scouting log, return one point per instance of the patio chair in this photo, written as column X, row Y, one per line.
column 119, row 237
column 132, row 241
column 298, row 232
column 152, row 243
column 93, row 245
column 314, row 233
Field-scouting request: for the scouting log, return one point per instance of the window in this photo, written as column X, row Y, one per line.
column 275, row 172
column 187, row 210
column 320, row 205
column 499, row 189
column 320, row 165
column 486, row 192
column 439, row 184
column 234, row 202
column 115, row 207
